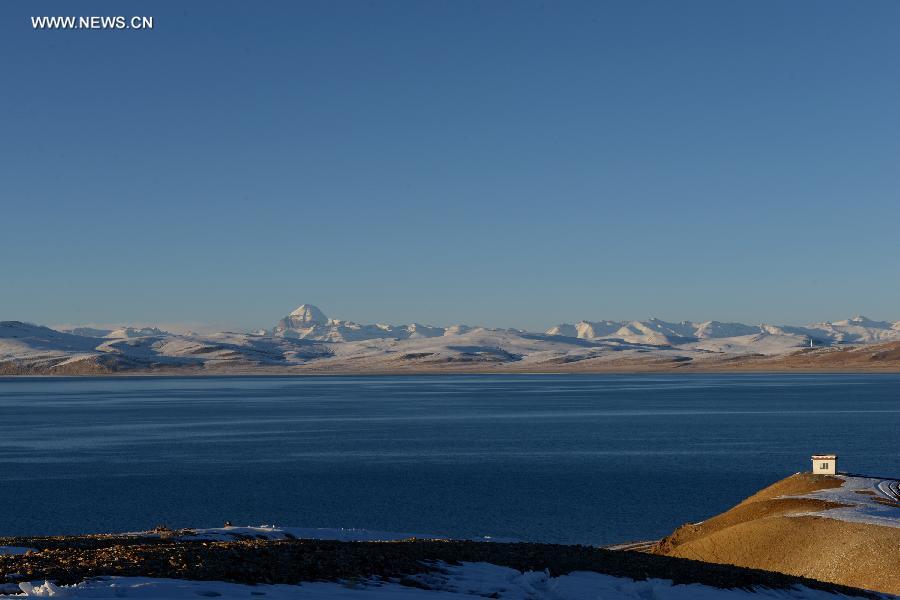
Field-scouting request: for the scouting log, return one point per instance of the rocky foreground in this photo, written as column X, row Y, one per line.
column 166, row 554
column 834, row 534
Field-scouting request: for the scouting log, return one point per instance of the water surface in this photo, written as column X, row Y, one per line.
column 569, row 458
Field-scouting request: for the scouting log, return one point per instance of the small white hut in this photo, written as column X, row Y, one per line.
column 824, row 464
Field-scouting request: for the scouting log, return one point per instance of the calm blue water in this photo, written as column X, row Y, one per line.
column 590, row 459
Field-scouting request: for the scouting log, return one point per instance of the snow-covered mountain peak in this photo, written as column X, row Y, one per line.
column 862, row 321
column 309, row 323
column 307, row 315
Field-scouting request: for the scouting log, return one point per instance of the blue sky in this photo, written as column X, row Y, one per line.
column 502, row 163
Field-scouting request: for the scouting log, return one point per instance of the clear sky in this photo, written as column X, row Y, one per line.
column 500, row 163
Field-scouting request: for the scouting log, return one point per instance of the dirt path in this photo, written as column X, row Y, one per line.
column 890, row 488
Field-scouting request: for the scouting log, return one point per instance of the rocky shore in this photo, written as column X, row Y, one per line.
column 71, row 559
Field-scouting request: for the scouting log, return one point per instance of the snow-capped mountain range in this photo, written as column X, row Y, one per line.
column 859, row 329
column 307, row 339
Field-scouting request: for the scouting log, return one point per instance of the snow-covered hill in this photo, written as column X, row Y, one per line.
column 17, row 337
column 308, row 339
column 124, row 331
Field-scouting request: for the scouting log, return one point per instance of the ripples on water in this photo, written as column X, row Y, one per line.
column 574, row 458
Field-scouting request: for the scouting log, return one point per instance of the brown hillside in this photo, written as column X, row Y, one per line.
column 760, row 533
column 877, row 357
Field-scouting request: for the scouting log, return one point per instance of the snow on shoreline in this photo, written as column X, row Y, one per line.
column 272, row 532
column 468, row 580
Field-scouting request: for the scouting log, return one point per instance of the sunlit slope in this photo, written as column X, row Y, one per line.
column 838, row 529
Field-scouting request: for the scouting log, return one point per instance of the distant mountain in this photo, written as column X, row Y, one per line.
column 86, row 331
column 586, row 330
column 135, row 332
column 308, row 322
column 37, row 338
column 26, row 348
column 118, row 332
column 857, row 330
column 717, row 329
column 653, row 331
column 306, row 339
column 303, row 317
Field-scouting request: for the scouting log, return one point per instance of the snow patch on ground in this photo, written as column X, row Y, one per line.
column 468, row 580
column 860, row 494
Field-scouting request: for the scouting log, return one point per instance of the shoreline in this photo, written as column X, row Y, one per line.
column 302, row 372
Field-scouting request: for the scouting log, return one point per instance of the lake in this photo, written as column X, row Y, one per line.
column 593, row 459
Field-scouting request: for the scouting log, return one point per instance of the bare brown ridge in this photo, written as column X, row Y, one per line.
column 773, row 531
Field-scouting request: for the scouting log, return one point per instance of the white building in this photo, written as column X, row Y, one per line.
column 824, row 464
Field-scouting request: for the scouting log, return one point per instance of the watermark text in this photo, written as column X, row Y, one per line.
column 95, row 22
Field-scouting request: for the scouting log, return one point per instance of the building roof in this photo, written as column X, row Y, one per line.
column 824, row 456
